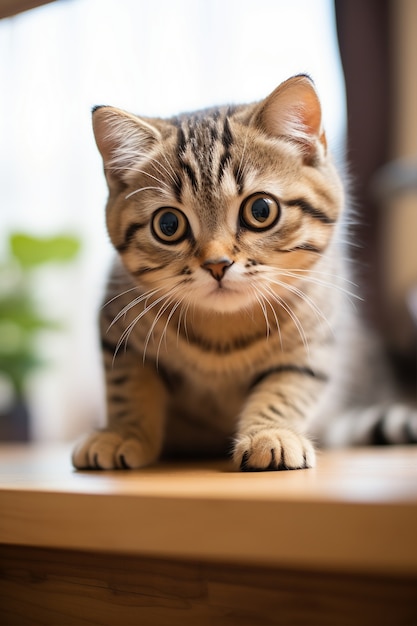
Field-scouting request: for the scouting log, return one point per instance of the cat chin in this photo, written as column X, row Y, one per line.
column 224, row 301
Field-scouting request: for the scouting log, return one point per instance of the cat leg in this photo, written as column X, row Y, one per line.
column 383, row 424
column 272, row 424
column 136, row 399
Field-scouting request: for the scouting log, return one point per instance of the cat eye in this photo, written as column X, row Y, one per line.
column 259, row 211
column 170, row 225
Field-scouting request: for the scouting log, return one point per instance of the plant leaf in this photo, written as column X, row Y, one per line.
column 31, row 251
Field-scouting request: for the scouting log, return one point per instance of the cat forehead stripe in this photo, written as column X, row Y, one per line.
column 204, row 151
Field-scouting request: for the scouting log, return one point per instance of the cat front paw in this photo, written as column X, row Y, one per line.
column 109, row 450
column 273, row 449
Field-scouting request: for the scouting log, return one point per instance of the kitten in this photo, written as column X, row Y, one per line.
column 228, row 324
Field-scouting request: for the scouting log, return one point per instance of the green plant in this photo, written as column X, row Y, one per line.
column 20, row 318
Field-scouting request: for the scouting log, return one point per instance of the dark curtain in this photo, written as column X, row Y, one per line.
column 363, row 33
column 364, row 39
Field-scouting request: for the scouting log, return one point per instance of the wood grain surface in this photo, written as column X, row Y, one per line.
column 199, row 544
column 39, row 586
column 356, row 511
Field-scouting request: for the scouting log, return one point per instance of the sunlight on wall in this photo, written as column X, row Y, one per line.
column 153, row 58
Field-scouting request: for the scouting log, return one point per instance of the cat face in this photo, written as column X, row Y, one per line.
column 223, row 208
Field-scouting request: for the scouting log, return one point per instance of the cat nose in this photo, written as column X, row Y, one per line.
column 217, row 267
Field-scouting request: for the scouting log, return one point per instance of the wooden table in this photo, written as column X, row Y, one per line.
column 199, row 544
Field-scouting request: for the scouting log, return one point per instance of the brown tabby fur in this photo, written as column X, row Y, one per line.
column 232, row 333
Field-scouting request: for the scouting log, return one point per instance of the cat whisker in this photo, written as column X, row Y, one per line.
column 143, row 297
column 319, row 281
column 169, row 164
column 137, row 170
column 281, row 302
column 119, row 295
column 127, row 331
column 305, row 298
column 269, row 303
column 295, row 271
column 260, row 298
column 132, row 193
column 276, row 320
column 320, row 273
column 164, row 307
column 158, row 164
column 164, row 331
column 162, row 189
column 183, row 315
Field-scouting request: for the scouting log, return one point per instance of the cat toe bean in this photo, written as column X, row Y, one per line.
column 274, row 450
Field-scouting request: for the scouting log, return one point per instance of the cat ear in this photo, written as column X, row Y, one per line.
column 293, row 111
column 123, row 140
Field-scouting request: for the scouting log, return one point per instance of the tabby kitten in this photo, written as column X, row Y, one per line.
column 228, row 324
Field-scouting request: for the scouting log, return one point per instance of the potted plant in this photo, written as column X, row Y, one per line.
column 21, row 320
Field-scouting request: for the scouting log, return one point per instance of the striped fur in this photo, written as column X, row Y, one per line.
column 227, row 324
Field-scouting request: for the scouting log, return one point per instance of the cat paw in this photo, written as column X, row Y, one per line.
column 395, row 425
column 377, row 425
column 273, row 449
column 107, row 451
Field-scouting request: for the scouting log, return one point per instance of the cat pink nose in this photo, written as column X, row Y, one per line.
column 217, row 267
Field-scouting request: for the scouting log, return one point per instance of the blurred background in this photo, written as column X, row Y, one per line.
column 162, row 57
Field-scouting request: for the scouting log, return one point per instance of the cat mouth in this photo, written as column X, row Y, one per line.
column 221, row 288
column 225, row 298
